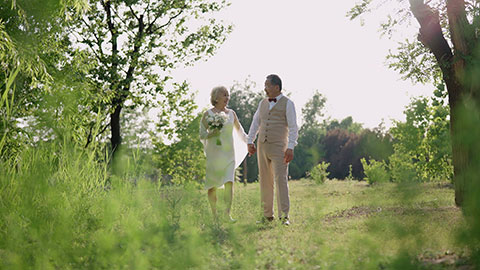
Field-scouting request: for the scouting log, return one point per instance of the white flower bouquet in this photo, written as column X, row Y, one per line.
column 217, row 121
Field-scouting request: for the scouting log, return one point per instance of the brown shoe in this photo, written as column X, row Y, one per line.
column 285, row 221
column 265, row 220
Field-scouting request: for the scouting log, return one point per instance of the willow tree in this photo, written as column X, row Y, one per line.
column 28, row 64
column 447, row 47
column 137, row 42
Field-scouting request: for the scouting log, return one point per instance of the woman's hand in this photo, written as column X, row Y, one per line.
column 213, row 133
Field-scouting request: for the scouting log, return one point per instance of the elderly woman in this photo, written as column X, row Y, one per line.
column 225, row 146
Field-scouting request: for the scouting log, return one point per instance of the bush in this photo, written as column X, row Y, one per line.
column 375, row 172
column 423, row 150
column 319, row 173
column 402, row 168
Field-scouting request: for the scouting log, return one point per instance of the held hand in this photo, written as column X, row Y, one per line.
column 251, row 149
column 288, row 155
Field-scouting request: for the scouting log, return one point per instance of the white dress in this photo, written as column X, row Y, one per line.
column 223, row 159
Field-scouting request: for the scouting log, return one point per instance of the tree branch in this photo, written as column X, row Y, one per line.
column 134, row 56
column 122, row 21
column 113, row 32
column 151, row 25
column 89, row 44
column 432, row 37
column 148, row 12
column 463, row 39
column 460, row 28
column 99, row 43
column 89, row 137
column 431, row 34
column 133, row 12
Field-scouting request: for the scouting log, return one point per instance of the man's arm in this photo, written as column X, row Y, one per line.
column 292, row 131
column 292, row 125
column 253, row 130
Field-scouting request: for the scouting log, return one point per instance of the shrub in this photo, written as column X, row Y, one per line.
column 319, row 173
column 375, row 172
column 402, row 168
column 350, row 175
column 423, row 150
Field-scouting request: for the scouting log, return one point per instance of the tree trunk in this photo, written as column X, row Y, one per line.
column 460, row 156
column 116, row 138
column 121, row 87
column 463, row 40
column 454, row 70
column 459, row 153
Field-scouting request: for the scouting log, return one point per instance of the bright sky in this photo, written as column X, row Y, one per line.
column 311, row 46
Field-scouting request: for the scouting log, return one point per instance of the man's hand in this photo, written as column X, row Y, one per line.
column 251, row 149
column 288, row 155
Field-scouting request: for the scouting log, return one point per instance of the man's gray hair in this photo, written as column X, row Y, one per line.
column 275, row 80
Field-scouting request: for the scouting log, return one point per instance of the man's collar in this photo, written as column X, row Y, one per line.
column 277, row 97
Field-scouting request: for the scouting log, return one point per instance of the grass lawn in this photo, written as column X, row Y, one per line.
column 335, row 225
column 344, row 225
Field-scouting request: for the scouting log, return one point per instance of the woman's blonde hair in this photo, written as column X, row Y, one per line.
column 215, row 92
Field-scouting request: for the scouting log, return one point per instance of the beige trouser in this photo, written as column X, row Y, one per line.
column 272, row 170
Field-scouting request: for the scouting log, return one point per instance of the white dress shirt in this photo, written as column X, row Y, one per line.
column 291, row 122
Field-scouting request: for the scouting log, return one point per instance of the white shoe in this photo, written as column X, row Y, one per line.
column 230, row 219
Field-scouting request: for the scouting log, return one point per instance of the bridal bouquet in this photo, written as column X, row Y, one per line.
column 217, row 121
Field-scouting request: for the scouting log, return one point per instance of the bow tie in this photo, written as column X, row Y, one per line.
column 272, row 99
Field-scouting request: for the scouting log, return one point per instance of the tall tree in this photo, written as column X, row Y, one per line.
column 244, row 100
column 137, row 42
column 308, row 152
column 449, row 30
column 313, row 111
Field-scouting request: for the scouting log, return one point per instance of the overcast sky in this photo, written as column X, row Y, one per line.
column 311, row 46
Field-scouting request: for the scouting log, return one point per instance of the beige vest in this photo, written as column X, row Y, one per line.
column 273, row 123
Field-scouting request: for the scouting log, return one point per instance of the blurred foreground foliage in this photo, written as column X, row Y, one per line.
column 61, row 206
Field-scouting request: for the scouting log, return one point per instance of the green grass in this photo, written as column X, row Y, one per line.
column 350, row 225
column 57, row 213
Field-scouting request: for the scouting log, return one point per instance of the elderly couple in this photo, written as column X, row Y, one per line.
column 226, row 145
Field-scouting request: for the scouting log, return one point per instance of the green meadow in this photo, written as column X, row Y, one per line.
column 90, row 179
column 351, row 225
column 57, row 215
